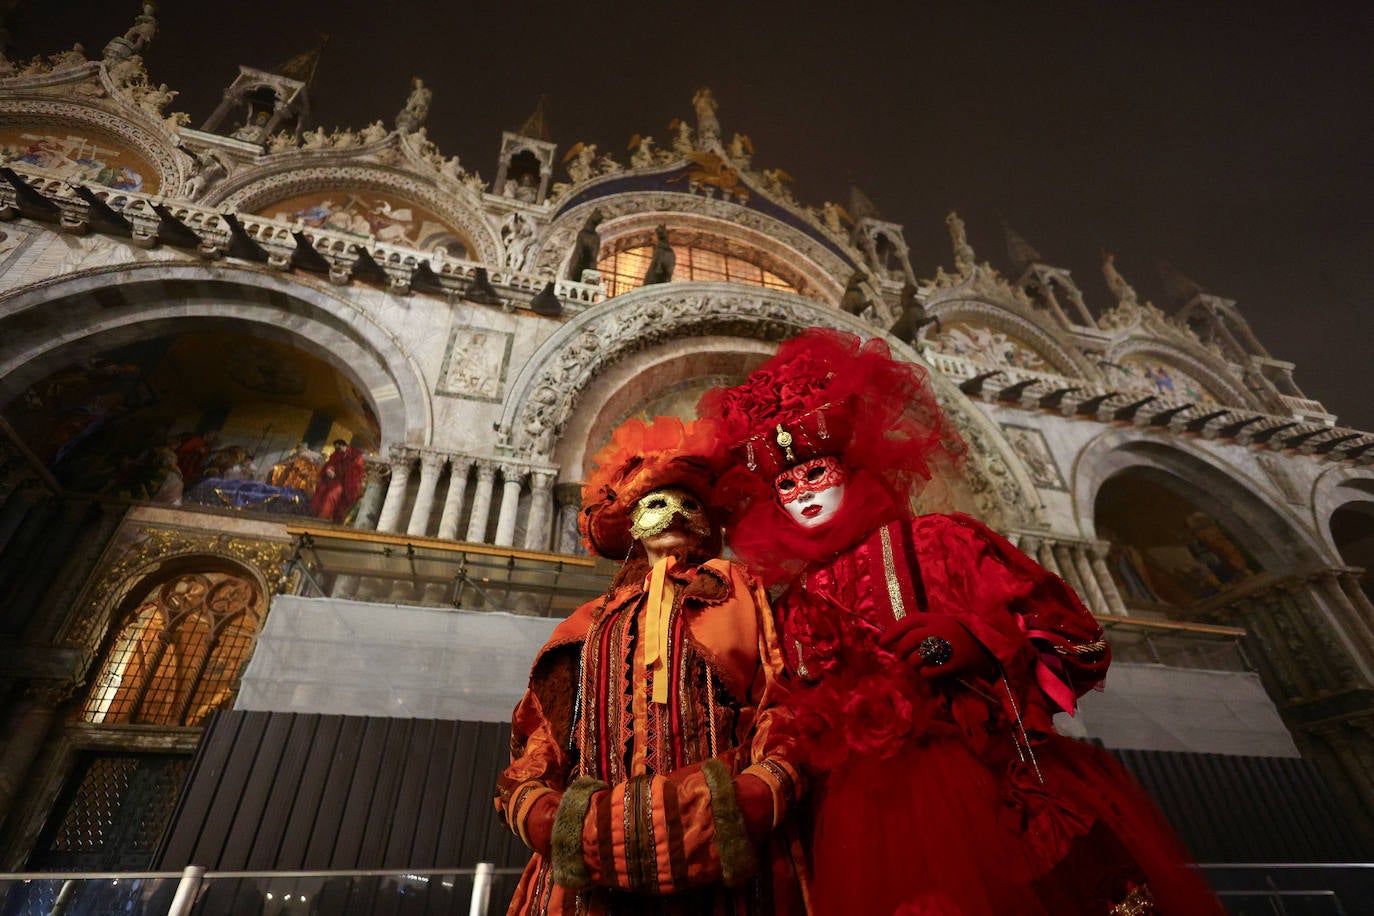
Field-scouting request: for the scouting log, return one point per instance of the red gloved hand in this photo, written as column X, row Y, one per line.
column 937, row 646
column 539, row 822
column 755, row 802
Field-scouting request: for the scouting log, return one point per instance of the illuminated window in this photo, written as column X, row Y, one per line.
column 180, row 655
column 699, row 258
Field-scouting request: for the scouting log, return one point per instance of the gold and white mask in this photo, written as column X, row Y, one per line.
column 656, row 510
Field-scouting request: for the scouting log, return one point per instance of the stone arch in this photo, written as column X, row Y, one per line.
column 258, row 188
column 1002, row 318
column 824, row 269
column 1246, row 505
column 542, row 398
column 1215, row 380
column 173, row 166
column 47, row 325
column 1341, row 490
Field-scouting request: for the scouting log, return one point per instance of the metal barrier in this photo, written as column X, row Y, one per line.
column 1294, row 889
column 197, row 892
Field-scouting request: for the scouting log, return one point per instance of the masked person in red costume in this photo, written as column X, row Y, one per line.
column 648, row 769
column 933, row 655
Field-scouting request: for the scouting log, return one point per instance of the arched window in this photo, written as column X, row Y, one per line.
column 700, row 257
column 181, row 652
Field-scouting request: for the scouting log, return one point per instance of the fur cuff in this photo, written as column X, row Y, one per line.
column 738, row 861
column 569, row 867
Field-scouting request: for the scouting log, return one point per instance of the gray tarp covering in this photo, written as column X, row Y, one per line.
column 326, row 655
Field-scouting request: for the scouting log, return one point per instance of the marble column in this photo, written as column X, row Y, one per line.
column 1348, row 617
column 16, row 509
column 430, row 465
column 510, row 506
column 1063, row 558
column 375, row 477
column 1103, row 575
column 453, row 499
column 395, row 492
column 569, row 499
column 30, row 722
column 541, row 502
column 1094, row 596
column 481, row 503
column 1350, row 583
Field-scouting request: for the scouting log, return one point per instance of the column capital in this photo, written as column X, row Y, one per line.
column 431, row 461
column 512, row 471
column 50, row 693
column 568, row 493
column 542, row 480
column 486, row 470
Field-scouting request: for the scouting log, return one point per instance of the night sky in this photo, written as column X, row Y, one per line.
column 1231, row 140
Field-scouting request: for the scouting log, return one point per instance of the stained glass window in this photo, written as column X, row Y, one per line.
column 180, row 654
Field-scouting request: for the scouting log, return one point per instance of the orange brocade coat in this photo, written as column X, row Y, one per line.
column 650, row 785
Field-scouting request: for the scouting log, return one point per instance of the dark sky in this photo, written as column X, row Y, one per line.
column 1232, row 139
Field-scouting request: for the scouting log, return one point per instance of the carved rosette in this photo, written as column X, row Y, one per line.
column 140, row 551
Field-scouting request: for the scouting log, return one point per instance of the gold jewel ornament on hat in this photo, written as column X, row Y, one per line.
column 655, row 512
column 784, row 440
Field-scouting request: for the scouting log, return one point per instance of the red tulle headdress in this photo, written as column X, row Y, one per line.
column 639, row 459
column 825, row 392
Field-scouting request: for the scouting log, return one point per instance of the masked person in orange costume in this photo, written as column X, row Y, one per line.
column 932, row 655
column 648, row 770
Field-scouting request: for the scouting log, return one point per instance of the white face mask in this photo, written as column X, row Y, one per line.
column 811, row 492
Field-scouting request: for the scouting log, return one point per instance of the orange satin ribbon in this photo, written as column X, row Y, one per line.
column 657, row 614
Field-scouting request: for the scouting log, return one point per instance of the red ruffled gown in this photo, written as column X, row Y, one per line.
column 934, row 801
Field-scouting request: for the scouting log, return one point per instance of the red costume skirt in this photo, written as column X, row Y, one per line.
column 936, row 831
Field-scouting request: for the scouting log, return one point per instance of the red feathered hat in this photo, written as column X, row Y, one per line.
column 639, row 459
column 825, row 392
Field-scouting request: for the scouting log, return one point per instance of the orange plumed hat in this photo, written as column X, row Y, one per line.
column 639, row 459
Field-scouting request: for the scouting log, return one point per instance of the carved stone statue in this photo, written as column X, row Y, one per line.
column 708, row 126
column 417, row 107
column 664, row 260
column 210, row 168
column 643, row 155
column 912, row 316
column 579, row 161
column 255, row 130
column 587, row 249
column 1122, row 290
column 963, row 251
column 373, row 133
column 136, row 39
column 855, row 301
column 682, row 136
column 518, row 234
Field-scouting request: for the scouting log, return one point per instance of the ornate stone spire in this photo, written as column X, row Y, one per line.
column 1019, row 250
column 964, row 257
column 1178, row 289
column 302, row 67
column 536, row 126
column 1123, row 291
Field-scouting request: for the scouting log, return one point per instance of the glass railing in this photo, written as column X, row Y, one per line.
column 1178, row 644
column 1294, row 889
column 195, row 892
column 429, row 572
column 1245, row 889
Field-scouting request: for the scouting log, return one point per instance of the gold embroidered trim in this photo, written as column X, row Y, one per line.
column 1139, row 902
column 1096, row 647
column 894, row 588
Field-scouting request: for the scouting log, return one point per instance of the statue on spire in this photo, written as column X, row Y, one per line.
column 136, row 39
column 417, row 107
column 708, row 126
column 963, row 251
column 1124, row 293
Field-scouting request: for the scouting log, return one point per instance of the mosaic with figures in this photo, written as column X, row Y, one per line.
column 990, row 347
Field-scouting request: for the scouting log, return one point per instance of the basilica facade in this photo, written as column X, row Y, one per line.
column 292, row 422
